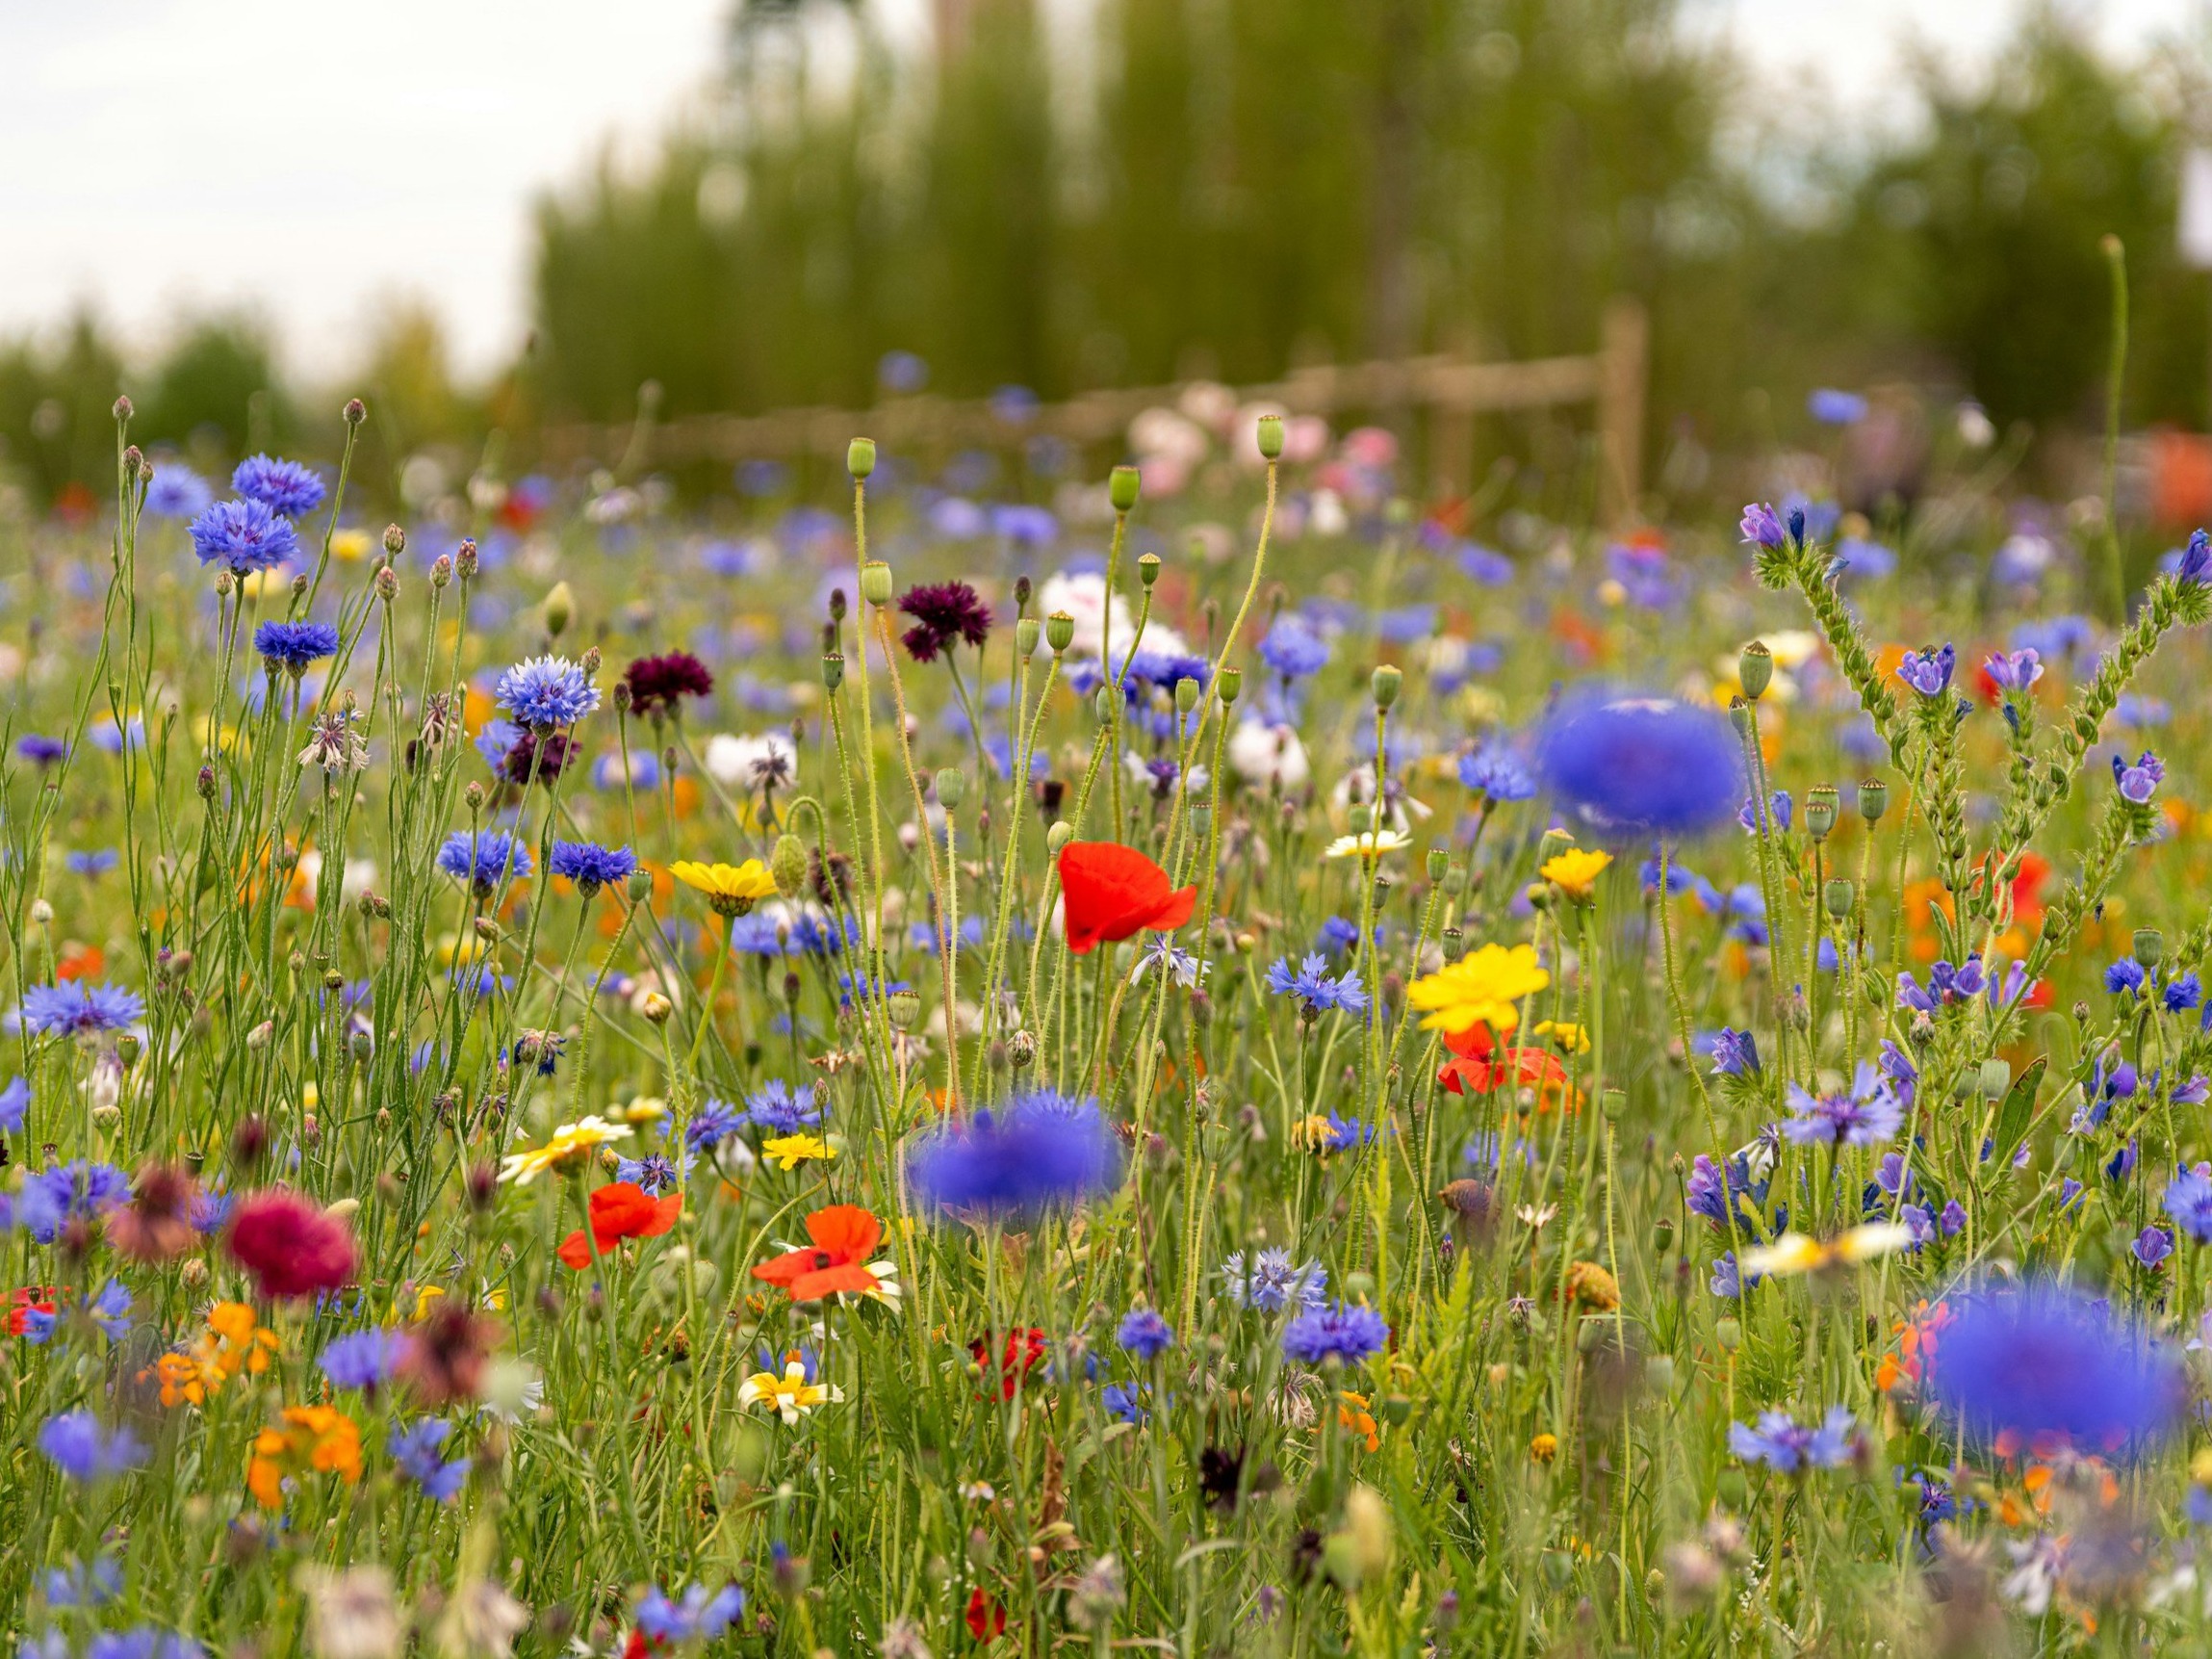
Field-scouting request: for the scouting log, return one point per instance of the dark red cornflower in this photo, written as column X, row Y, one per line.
column 156, row 1225
column 291, row 1245
column 446, row 1354
column 530, row 761
column 945, row 613
column 1018, row 1356
column 658, row 685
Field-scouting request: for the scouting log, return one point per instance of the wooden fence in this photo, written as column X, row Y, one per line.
column 1453, row 390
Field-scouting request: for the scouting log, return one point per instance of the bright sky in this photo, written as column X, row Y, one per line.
column 313, row 160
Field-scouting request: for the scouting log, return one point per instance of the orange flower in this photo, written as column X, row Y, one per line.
column 234, row 1342
column 621, row 1210
column 845, row 1235
column 1352, row 1414
column 181, row 1379
column 1481, row 1066
column 321, row 1439
column 81, row 962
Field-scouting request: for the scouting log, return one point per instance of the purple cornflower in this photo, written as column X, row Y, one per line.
column 1496, row 774
column 243, row 536
column 2124, row 977
column 2015, row 670
column 1642, row 765
column 699, row 1615
column 1311, row 984
column 1042, row 1151
column 1347, row 1331
column 590, row 865
column 655, row 1172
column 2138, row 782
column 417, row 1450
column 1144, row 1333
column 542, row 692
column 2047, row 1365
column 780, row 1110
column 281, row 486
column 1761, row 526
column 1790, row 1447
column 945, row 613
column 111, row 1309
column 42, row 751
column 79, row 1446
column 658, row 685
column 80, row 1009
column 482, row 859
column 1947, row 986
column 1865, row 1115
column 713, row 1124
column 1293, row 649
column 1712, row 1196
column 1735, row 1053
column 293, row 645
column 1929, row 673
column 1274, row 1282
column 361, row 1360
column 1778, row 811
column 2188, row 1200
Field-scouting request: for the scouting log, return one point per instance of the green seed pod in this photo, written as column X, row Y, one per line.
column 787, row 863
column 1820, row 803
column 1838, row 896
column 1386, row 682
column 1663, row 1235
column 1740, row 717
column 1996, row 1080
column 640, row 886
column 1025, row 635
column 860, row 458
column 1148, row 569
column 1059, row 631
column 1058, row 836
column 2150, row 946
column 1439, row 863
column 1873, row 799
column 1186, row 694
column 1659, row 1373
column 1728, row 1333
column 904, row 1009
column 951, row 788
column 559, row 609
column 1228, row 684
column 1754, row 668
column 1271, row 437
column 833, row 669
column 1122, row 485
column 876, row 582
column 1106, row 703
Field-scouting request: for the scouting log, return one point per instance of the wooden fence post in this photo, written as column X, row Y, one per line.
column 1623, row 350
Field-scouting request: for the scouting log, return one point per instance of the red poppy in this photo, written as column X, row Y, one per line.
column 1483, row 1066
column 1021, row 1352
column 986, row 1618
column 621, row 1210
column 845, row 1235
column 22, row 1304
column 1114, row 892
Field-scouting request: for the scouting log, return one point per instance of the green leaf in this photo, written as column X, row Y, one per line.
column 2017, row 1114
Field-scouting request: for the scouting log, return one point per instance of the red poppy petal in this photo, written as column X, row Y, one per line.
column 846, row 1230
column 574, row 1251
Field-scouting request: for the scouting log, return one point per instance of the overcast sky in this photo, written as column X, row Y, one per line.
column 315, row 159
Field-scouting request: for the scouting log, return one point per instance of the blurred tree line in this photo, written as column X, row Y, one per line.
column 1231, row 186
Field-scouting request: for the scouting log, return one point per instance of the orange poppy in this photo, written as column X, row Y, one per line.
column 844, row 1236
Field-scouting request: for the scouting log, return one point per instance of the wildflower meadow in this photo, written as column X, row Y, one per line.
column 1195, row 1059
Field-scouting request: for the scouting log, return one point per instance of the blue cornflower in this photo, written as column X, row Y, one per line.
column 14, row 1106
column 111, row 1309
column 293, row 645
column 1339, row 935
column 79, row 1010
column 1735, row 1053
column 77, row 1585
column 1857, row 556
column 42, row 750
column 1640, row 764
column 82, row 1448
column 713, row 1124
column 1293, row 649
column 1778, row 812
column 1496, row 773
column 2015, row 670
column 780, row 1110
column 1041, row 1152
column 2048, row 1363
column 56, row 1193
column 1714, row 1190
column 483, row 859
column 361, row 1360
column 1865, row 1114
column 243, row 536
column 1313, row 986
column 1126, row 1401
column 591, row 867
column 2188, row 1200
column 1761, row 526
column 2183, row 992
column 547, row 692
column 1929, row 673
column 1790, row 1447
column 2124, row 977
column 1835, row 408
column 700, row 1615
column 1348, row 1331
column 92, row 864
column 2138, row 781
column 655, row 1172
column 140, row 1642
column 1274, row 1282
column 177, row 492
column 282, row 486
column 416, row 1452
column 1144, row 1333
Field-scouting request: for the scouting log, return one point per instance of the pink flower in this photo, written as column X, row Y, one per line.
column 290, row 1246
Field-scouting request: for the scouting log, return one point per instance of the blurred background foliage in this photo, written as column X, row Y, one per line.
column 1229, row 188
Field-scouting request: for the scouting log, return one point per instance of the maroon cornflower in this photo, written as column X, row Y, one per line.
column 658, row 685
column 444, row 1355
column 530, row 761
column 291, row 1245
column 944, row 612
column 156, row 1225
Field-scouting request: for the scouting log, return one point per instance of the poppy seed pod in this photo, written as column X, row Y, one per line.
column 904, row 1009
column 833, row 669
column 1026, row 634
column 1059, row 631
column 860, row 458
column 2150, row 946
column 1838, row 896
column 1754, row 669
column 951, row 788
column 1873, row 799
column 1385, row 683
column 1820, row 811
column 1271, row 437
column 1227, row 684
column 1186, row 694
column 1148, row 569
column 876, row 582
column 1122, row 485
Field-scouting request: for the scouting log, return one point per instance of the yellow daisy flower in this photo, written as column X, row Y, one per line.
column 789, row 1152
column 1575, row 872
column 1368, row 845
column 732, row 890
column 1571, row 1038
column 790, row 1395
column 569, row 1141
column 1483, row 986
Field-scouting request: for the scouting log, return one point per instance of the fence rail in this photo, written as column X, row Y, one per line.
column 1455, row 389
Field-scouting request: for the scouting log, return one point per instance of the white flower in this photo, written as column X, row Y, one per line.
column 736, row 763
column 351, row 1615
column 1368, row 844
column 1259, row 752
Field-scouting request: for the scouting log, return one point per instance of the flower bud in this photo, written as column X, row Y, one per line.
column 1385, row 683
column 876, row 582
column 1729, row 1333
column 787, row 863
column 951, row 785
column 395, row 540
column 861, row 460
column 1271, row 437
column 1059, row 631
column 122, row 408
column 559, row 609
column 1025, row 635
column 1754, row 668
column 354, row 412
column 1122, row 487
column 1058, row 835
column 1873, row 799
column 1148, row 569
column 442, row 570
column 656, row 1007
column 1106, row 703
column 465, row 560
column 387, row 583
column 1995, row 1080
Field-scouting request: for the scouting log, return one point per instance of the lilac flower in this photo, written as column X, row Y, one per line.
column 1762, row 527
column 2138, row 782
column 655, row 1172
column 1126, row 1401
column 244, row 535
column 1790, row 1447
column 1272, row 1283
column 79, row 1446
column 1144, row 1333
column 1929, row 673
column 417, row 1450
column 1897, row 1067
column 1496, row 774
column 1312, row 985
column 1735, row 1053
column 79, row 1010
column 111, row 1309
column 541, row 693
column 281, row 486
column 2015, row 670
column 2188, row 1200
column 1345, row 1332
column 1865, row 1115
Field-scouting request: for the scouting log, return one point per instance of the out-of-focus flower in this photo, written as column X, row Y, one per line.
column 80, row 1009
column 1367, row 845
column 86, row 1450
column 304, row 1440
column 418, row 1451
column 1575, row 872
column 352, row 1614
column 291, row 1245
column 1866, row 1113
column 1345, row 1332
column 1790, row 1447
column 1038, row 1152
column 1274, row 1282
column 1642, row 766
column 1794, row 1252
column 945, row 613
column 569, row 1141
column 1486, row 986
column 2045, row 1366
